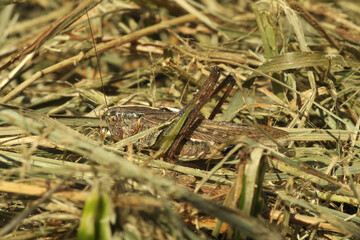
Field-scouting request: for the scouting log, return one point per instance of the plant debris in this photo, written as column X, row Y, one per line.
column 63, row 64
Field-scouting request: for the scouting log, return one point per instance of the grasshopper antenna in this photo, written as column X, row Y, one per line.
column 97, row 58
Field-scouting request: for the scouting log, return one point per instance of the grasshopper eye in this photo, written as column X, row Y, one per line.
column 112, row 120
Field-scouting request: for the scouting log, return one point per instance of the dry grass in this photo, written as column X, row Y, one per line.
column 296, row 67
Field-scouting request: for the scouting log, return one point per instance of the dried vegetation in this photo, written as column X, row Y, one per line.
column 296, row 66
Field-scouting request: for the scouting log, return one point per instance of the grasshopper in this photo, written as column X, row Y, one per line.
column 198, row 138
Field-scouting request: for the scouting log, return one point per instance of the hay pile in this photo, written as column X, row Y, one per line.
column 296, row 67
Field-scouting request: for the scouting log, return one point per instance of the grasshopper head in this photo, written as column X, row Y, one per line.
column 122, row 123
